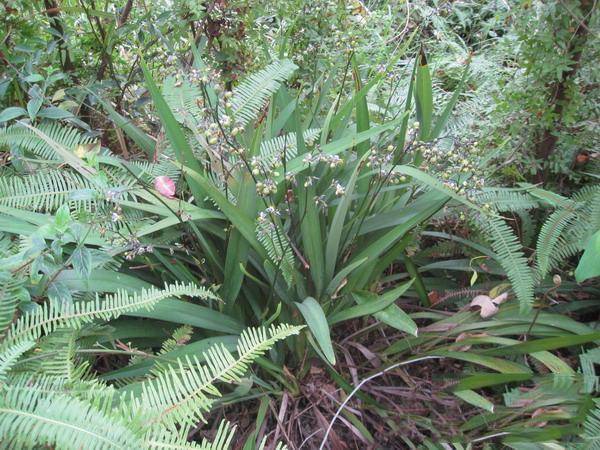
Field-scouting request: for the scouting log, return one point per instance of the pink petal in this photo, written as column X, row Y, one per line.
column 165, row 186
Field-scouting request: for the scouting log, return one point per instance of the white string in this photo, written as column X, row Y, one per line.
column 361, row 384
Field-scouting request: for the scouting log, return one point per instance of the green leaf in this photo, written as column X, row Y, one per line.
column 33, row 78
column 490, row 379
column 424, row 97
column 52, row 112
column 475, row 399
column 82, row 261
column 362, row 110
column 62, row 218
column 589, row 264
column 392, row 315
column 543, row 344
column 337, row 224
column 317, row 323
column 371, row 304
column 12, row 113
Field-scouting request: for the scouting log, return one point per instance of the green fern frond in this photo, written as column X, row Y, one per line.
column 29, row 419
column 183, row 393
column 10, row 287
column 25, row 139
column 272, row 150
column 506, row 200
column 59, row 349
column 510, row 256
column 550, row 237
column 10, row 356
column 46, row 191
column 51, row 315
column 252, row 93
column 587, row 361
column 278, row 248
column 180, row 337
column 591, row 426
column 160, row 438
column 182, row 96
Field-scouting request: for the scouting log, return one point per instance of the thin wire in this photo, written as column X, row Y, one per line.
column 361, row 384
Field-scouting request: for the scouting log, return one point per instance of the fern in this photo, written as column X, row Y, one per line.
column 278, row 248
column 51, row 315
column 10, row 356
column 182, row 97
column 272, row 150
column 25, row 139
column 252, row 93
column 182, row 395
column 46, row 191
column 510, row 256
column 550, row 237
column 10, row 287
column 587, row 360
column 591, row 426
column 165, row 439
column 28, row 419
column 506, row 200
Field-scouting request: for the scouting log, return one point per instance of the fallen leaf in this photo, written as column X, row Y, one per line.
column 488, row 306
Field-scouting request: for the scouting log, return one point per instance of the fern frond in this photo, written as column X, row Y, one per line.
column 11, row 355
column 29, row 419
column 9, row 298
column 510, row 256
column 252, row 93
column 182, row 97
column 272, row 150
column 160, row 438
column 60, row 362
column 591, row 426
column 278, row 248
column 46, row 191
column 550, row 237
column 181, row 395
column 506, row 200
column 587, row 361
column 51, row 315
column 25, row 139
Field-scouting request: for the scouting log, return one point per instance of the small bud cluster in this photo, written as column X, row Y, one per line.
column 332, row 161
column 458, row 166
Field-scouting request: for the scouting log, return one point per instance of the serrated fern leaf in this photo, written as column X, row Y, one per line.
column 161, row 438
column 272, row 150
column 9, row 300
column 45, row 192
column 252, row 93
column 506, row 200
column 29, row 419
column 51, row 315
column 510, row 256
column 10, row 356
column 550, row 237
column 25, row 139
column 278, row 248
column 587, row 361
column 591, row 426
column 182, row 97
column 183, row 393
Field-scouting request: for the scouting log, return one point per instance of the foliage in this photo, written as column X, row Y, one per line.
column 351, row 176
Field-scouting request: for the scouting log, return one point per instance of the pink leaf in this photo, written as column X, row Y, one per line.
column 165, row 186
